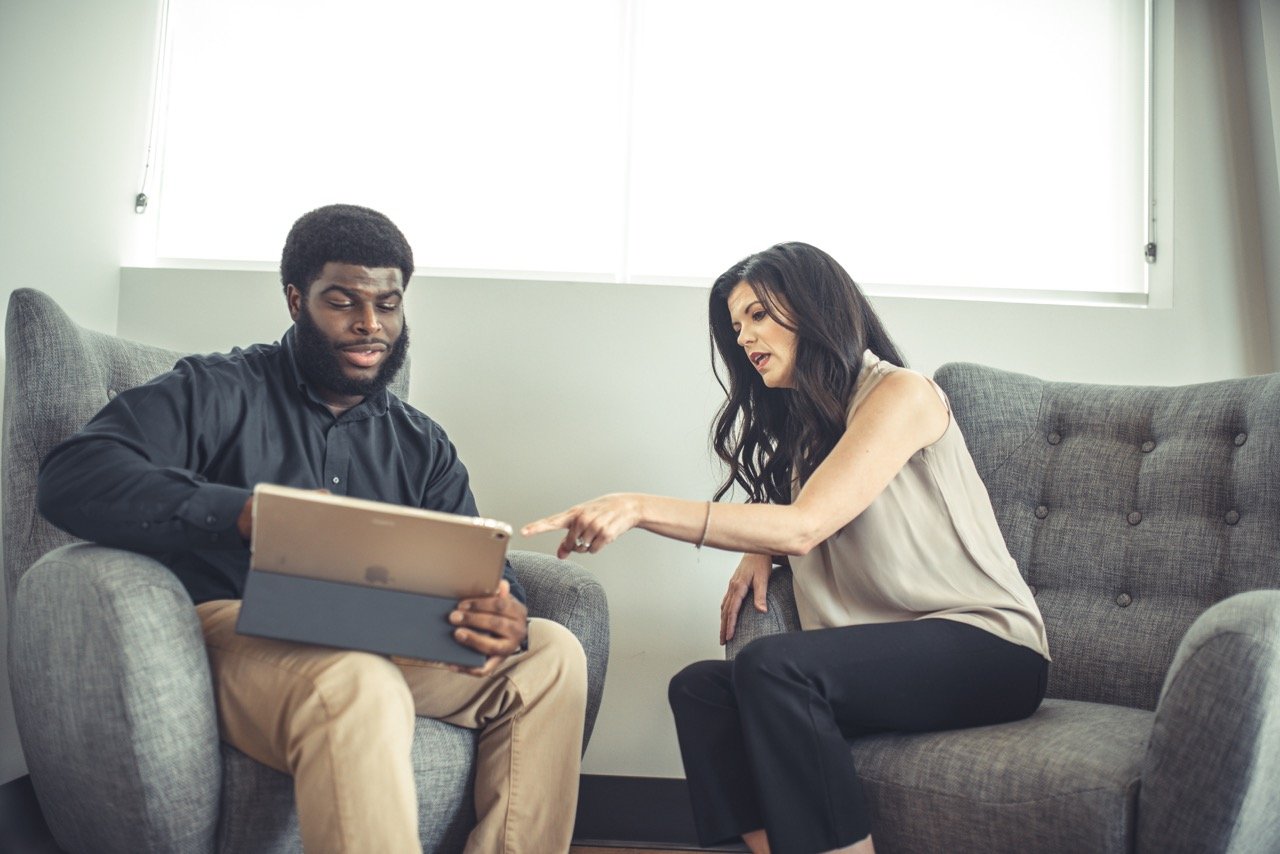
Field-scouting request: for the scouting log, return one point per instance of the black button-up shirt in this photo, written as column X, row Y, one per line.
column 165, row 468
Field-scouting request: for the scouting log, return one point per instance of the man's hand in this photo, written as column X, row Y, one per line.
column 495, row 625
column 244, row 522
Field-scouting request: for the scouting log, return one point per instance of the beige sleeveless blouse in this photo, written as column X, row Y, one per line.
column 926, row 547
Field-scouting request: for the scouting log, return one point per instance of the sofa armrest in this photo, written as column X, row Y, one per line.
column 779, row 616
column 566, row 593
column 1209, row 779
column 112, row 693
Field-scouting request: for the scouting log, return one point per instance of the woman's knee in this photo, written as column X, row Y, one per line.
column 764, row 658
column 701, row 681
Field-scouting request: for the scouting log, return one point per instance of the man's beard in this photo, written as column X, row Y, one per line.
column 320, row 360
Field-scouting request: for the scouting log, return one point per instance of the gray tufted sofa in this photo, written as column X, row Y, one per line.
column 110, row 681
column 1147, row 522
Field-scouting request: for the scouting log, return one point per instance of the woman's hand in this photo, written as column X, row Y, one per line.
column 592, row 525
column 752, row 574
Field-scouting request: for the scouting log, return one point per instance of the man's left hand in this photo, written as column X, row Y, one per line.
column 496, row 625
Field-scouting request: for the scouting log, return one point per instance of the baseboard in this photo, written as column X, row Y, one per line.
column 22, row 826
column 640, row 812
column 613, row 811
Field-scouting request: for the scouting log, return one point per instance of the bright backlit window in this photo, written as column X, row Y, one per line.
column 989, row 144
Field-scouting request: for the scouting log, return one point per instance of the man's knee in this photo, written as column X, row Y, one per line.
column 559, row 656
column 362, row 686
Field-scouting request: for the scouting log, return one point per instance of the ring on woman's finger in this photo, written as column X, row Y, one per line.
column 581, row 545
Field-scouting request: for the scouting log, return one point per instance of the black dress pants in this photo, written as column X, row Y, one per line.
column 764, row 737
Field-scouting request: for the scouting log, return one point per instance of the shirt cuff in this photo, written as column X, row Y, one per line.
column 211, row 514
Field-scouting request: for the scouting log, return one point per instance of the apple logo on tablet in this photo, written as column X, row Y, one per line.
column 377, row 575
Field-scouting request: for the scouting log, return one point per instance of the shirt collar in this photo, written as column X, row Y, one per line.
column 373, row 405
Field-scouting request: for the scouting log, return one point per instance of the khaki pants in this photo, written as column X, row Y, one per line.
column 341, row 723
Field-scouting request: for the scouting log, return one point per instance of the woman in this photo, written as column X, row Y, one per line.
column 915, row 615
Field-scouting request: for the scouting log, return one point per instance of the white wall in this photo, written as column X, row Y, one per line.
column 555, row 391
column 74, row 95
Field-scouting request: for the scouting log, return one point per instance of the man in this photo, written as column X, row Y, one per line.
column 167, row 468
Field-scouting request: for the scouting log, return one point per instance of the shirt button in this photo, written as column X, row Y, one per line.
column 1134, row 518
column 146, row 525
column 210, row 519
column 1240, row 439
column 1148, row 447
column 1042, row 511
column 1055, row 437
column 111, row 395
column 1124, row 600
column 337, row 480
column 1232, row 517
column 1032, row 588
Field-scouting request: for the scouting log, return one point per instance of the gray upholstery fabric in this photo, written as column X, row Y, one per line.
column 1064, row 780
column 578, row 601
column 1154, row 504
column 112, row 694
column 1144, row 612
column 110, row 680
column 1211, row 781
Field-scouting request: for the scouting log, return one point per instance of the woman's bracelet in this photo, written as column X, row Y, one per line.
column 706, row 526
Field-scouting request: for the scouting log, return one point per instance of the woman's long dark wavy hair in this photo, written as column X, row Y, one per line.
column 768, row 436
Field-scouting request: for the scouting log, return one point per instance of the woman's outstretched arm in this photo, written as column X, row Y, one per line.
column 901, row 416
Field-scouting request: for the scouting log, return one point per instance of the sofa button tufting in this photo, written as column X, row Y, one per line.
column 1042, row 511
column 1134, row 518
column 1148, row 446
column 1055, row 437
column 1232, row 517
column 1124, row 600
column 1240, row 439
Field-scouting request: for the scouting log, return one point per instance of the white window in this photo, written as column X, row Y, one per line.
column 982, row 147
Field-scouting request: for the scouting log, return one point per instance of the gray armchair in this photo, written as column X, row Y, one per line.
column 111, row 685
column 1147, row 522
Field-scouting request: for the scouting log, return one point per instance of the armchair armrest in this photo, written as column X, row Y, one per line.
column 112, row 693
column 566, row 593
column 779, row 616
column 1209, row 779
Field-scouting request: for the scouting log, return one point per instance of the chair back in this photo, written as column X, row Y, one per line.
column 1130, row 510
column 57, row 376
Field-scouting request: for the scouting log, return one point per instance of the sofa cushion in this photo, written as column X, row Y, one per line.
column 1063, row 780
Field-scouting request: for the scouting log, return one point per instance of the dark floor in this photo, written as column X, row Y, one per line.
column 23, row 830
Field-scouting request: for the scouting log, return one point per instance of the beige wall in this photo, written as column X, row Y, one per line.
column 557, row 391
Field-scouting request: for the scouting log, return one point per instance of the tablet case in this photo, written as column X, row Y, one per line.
column 350, row 616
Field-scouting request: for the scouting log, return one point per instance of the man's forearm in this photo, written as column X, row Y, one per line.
column 106, row 492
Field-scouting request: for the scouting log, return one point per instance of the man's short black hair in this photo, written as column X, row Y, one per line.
column 346, row 234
